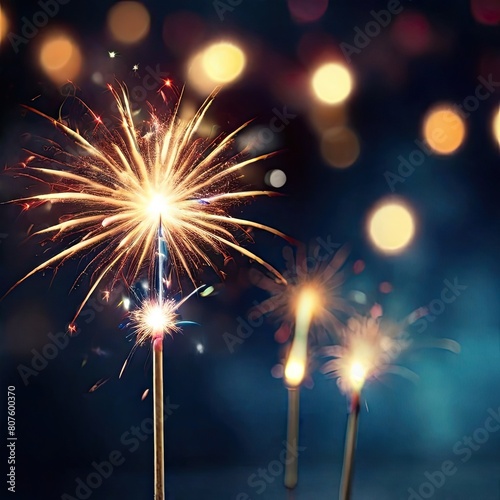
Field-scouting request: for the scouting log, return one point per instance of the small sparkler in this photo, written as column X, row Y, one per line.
column 369, row 346
column 309, row 301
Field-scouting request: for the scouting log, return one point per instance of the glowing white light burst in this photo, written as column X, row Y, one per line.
column 121, row 189
column 154, row 320
column 369, row 347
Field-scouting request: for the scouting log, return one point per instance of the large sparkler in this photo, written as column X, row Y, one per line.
column 122, row 188
column 135, row 191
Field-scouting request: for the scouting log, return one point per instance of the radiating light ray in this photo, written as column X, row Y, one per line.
column 370, row 347
column 120, row 186
column 324, row 276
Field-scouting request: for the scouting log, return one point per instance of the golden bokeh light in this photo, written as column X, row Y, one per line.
column 294, row 372
column 496, row 125
column 223, row 62
column 444, row 129
column 324, row 117
column 4, row 24
column 60, row 58
column 128, row 22
column 391, row 226
column 340, row 147
column 332, row 83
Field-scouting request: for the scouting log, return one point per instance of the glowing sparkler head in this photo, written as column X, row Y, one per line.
column 311, row 298
column 158, row 207
column 154, row 320
column 294, row 372
column 368, row 348
column 309, row 301
column 357, row 375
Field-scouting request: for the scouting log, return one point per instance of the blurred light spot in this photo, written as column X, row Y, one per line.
column 496, row 125
column 277, row 371
column 358, row 297
column 306, row 11
column 200, row 348
column 325, row 117
column 332, row 83
column 4, row 24
column 144, row 394
column 444, row 129
column 207, row 291
column 283, row 333
column 376, row 311
column 128, row 22
column 97, row 78
column 412, row 33
column 112, row 54
column 126, row 303
column 391, row 226
column 275, row 178
column 358, row 267
column 385, row 287
column 223, row 62
column 486, row 11
column 340, row 147
column 60, row 58
column 182, row 32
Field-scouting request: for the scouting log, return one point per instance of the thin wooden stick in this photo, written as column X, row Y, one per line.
column 350, row 449
column 158, row 420
column 292, row 459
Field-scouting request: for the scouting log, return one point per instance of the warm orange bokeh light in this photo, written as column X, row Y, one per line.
column 444, row 129
column 217, row 63
column 129, row 22
column 4, row 24
column 496, row 125
column 60, row 58
column 340, row 147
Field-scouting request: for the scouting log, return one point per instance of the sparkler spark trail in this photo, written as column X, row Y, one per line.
column 324, row 278
column 369, row 348
column 122, row 188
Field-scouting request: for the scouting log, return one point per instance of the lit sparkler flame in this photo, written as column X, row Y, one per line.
column 369, row 347
column 122, row 189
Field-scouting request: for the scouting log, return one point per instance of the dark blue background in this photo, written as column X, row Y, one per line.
column 231, row 415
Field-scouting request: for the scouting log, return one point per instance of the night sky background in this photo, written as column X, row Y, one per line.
column 230, row 412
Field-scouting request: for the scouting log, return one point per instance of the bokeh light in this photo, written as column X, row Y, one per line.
column 391, row 226
column 486, row 11
column 217, row 63
column 275, row 178
column 412, row 33
column 325, row 117
column 4, row 24
column 332, row 83
column 128, row 22
column 223, row 62
column 496, row 125
column 444, row 129
column 307, row 11
column 60, row 58
column 340, row 147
